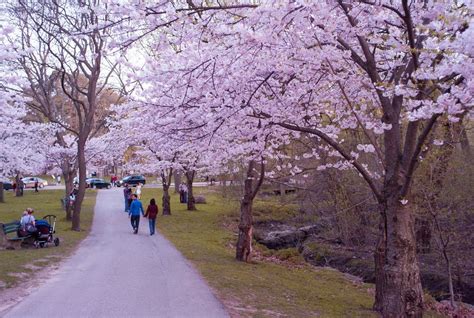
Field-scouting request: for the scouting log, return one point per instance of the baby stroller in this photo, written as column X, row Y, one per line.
column 46, row 230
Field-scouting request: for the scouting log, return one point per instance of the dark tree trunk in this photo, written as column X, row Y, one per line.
column 76, row 217
column 2, row 197
column 68, row 175
column 379, row 258
column 244, row 242
column 18, row 190
column 189, row 182
column 177, row 180
column 166, row 195
column 166, row 201
column 402, row 292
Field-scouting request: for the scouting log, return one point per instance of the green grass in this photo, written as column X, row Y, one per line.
column 16, row 263
column 260, row 288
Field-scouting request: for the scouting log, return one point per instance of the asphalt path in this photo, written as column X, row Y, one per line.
column 115, row 273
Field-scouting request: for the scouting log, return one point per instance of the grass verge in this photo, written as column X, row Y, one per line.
column 261, row 288
column 16, row 265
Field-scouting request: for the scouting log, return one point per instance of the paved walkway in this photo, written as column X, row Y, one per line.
column 115, row 273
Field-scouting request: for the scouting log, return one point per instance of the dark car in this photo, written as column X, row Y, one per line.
column 132, row 180
column 97, row 183
column 7, row 185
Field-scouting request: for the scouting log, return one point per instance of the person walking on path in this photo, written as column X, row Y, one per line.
column 151, row 212
column 135, row 209
column 36, row 186
column 127, row 193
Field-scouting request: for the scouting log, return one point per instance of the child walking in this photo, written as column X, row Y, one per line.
column 151, row 212
column 134, row 213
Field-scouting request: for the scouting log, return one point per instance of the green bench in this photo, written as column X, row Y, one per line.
column 12, row 241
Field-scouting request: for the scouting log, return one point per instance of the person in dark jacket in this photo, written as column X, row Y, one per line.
column 151, row 212
column 135, row 209
column 127, row 195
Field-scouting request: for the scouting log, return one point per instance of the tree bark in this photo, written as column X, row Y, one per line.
column 177, row 180
column 379, row 260
column 189, row 181
column 76, row 217
column 402, row 295
column 166, row 201
column 2, row 194
column 68, row 175
column 244, row 242
column 18, row 190
column 166, row 195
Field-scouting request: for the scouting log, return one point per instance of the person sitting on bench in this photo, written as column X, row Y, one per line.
column 28, row 223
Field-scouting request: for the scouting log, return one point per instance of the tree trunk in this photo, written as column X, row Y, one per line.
column 244, row 242
column 189, row 181
column 379, row 258
column 68, row 175
column 282, row 191
column 450, row 279
column 76, row 217
column 2, row 197
column 166, row 200
column 18, row 190
column 402, row 295
column 177, row 180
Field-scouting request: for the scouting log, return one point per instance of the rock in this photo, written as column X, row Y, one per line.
column 311, row 229
column 276, row 235
column 283, row 239
column 200, row 199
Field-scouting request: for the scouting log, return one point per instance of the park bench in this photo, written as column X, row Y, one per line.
column 9, row 241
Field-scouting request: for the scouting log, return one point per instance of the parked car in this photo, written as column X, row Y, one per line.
column 88, row 181
column 7, row 185
column 132, row 180
column 97, row 183
column 30, row 182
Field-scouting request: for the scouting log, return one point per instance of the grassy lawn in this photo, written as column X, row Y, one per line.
column 262, row 288
column 15, row 264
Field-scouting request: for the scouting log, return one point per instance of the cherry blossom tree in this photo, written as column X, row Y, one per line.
column 383, row 70
column 23, row 141
column 70, row 41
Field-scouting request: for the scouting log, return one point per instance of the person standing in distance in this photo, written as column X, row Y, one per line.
column 151, row 212
column 135, row 209
column 138, row 191
column 127, row 192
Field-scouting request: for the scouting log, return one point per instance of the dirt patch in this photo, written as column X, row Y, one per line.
column 32, row 267
column 19, row 275
column 235, row 309
column 9, row 297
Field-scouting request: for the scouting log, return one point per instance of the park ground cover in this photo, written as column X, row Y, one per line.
column 262, row 288
column 16, row 265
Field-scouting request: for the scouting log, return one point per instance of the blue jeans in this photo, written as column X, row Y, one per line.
column 135, row 221
column 151, row 223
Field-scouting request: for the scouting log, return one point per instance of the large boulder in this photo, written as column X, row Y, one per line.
column 284, row 236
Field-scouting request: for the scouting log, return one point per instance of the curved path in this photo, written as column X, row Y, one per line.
column 115, row 273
